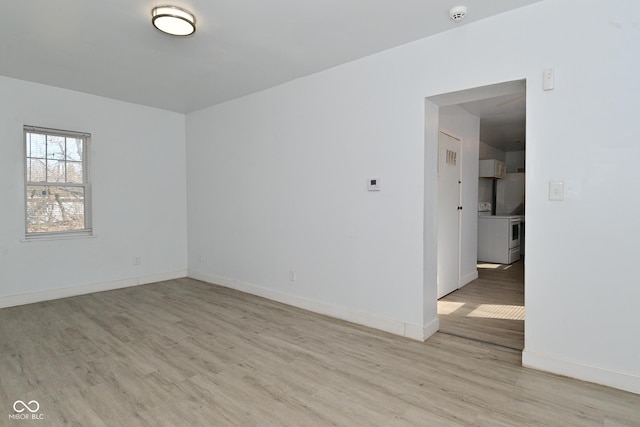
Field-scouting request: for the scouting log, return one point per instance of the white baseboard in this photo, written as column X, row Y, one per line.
column 51, row 294
column 408, row 330
column 465, row 280
column 426, row 331
column 568, row 368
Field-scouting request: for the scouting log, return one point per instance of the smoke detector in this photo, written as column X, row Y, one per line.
column 457, row 14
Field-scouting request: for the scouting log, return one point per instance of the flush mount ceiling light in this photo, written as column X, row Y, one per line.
column 173, row 20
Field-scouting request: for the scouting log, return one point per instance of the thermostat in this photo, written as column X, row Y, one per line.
column 373, row 184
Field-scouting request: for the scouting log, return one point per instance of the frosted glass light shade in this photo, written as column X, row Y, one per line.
column 173, row 20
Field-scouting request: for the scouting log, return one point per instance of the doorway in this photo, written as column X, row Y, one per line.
column 488, row 304
column 489, row 309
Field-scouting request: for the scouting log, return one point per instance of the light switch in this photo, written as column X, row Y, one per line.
column 556, row 191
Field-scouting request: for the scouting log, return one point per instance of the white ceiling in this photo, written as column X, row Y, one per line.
column 109, row 47
column 502, row 120
column 501, row 108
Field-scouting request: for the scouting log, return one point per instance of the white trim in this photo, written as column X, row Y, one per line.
column 396, row 327
column 620, row 380
column 60, row 236
column 468, row 278
column 85, row 184
column 51, row 294
column 426, row 331
column 161, row 277
column 454, row 136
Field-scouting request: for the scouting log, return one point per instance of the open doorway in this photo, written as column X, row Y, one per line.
column 488, row 303
column 489, row 309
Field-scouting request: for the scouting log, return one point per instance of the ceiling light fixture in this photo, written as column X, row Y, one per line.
column 173, row 20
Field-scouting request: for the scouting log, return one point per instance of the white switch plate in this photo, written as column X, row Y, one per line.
column 556, row 191
column 548, row 79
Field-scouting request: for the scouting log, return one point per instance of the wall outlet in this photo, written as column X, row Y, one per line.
column 201, row 258
column 292, row 276
column 136, row 260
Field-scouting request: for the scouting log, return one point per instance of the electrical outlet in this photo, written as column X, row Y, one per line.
column 136, row 260
column 292, row 276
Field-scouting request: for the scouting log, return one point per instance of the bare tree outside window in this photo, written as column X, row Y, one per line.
column 56, row 187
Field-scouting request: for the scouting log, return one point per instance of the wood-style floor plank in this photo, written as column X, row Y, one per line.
column 489, row 309
column 184, row 352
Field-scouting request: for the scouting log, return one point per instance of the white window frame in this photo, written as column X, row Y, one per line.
column 86, row 138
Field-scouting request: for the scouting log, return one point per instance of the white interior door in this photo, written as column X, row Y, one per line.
column 449, row 185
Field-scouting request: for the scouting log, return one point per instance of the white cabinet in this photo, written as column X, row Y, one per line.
column 492, row 168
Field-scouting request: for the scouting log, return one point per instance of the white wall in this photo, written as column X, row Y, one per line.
column 466, row 126
column 485, row 185
column 485, row 190
column 277, row 182
column 515, row 160
column 137, row 167
column 488, row 152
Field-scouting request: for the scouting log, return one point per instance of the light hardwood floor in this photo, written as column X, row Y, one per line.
column 489, row 309
column 185, row 353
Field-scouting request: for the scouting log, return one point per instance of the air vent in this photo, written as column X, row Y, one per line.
column 457, row 14
column 452, row 157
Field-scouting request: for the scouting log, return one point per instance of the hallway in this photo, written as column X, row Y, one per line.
column 489, row 309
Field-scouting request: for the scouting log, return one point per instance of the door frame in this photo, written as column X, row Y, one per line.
column 432, row 104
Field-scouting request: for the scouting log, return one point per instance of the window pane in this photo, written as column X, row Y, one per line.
column 55, row 171
column 74, row 172
column 38, row 145
column 55, row 147
column 54, row 208
column 36, row 170
column 74, row 149
column 54, row 167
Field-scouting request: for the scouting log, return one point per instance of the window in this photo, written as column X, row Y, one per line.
column 57, row 192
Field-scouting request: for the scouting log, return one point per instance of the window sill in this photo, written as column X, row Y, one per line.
column 70, row 236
